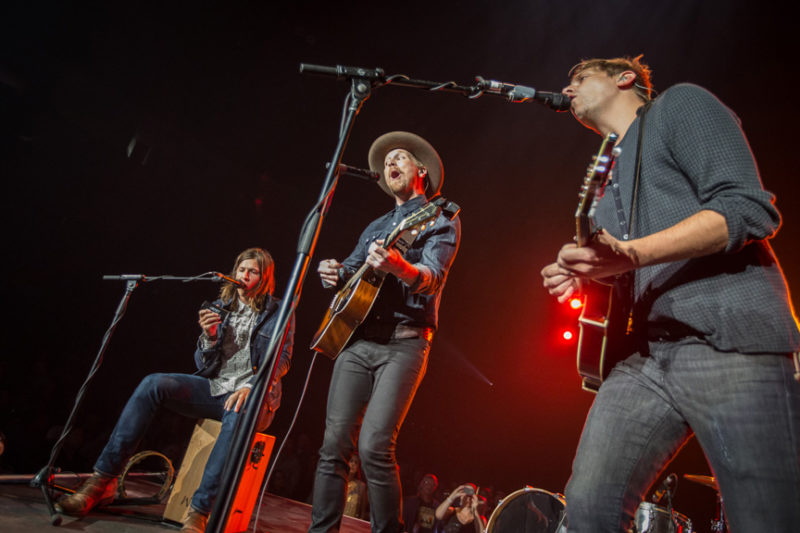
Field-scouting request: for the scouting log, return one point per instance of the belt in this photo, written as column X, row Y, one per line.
column 384, row 331
column 401, row 331
column 671, row 332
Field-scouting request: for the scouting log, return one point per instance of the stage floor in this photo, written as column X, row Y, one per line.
column 23, row 510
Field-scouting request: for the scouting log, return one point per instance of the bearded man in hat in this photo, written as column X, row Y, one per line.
column 376, row 376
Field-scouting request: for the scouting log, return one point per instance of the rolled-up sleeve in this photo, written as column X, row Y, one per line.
column 709, row 145
column 437, row 256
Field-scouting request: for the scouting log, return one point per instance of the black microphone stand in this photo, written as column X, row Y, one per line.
column 671, row 488
column 362, row 82
column 718, row 523
column 45, row 477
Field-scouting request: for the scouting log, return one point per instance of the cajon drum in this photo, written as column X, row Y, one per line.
column 191, row 472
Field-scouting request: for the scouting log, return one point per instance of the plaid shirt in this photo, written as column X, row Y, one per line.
column 696, row 157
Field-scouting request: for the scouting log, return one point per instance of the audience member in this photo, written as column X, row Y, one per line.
column 356, row 502
column 419, row 510
column 462, row 511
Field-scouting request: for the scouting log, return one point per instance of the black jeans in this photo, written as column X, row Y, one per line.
column 371, row 390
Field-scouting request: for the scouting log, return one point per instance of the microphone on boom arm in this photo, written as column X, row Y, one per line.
column 521, row 93
column 222, row 277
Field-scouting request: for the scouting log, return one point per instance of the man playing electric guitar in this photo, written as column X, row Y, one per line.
column 712, row 318
column 377, row 374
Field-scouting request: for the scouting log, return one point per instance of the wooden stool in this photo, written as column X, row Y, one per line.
column 194, row 463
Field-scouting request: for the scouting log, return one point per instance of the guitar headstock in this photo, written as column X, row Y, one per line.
column 413, row 224
column 420, row 218
column 593, row 184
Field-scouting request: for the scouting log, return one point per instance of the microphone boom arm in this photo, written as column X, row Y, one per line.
column 376, row 77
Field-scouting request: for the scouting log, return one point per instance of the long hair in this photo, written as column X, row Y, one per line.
column 257, row 297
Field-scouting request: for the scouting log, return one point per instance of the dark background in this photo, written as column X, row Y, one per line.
column 231, row 143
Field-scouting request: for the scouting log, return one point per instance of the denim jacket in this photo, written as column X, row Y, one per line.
column 434, row 249
column 207, row 359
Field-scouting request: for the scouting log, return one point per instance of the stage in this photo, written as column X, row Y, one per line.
column 23, row 510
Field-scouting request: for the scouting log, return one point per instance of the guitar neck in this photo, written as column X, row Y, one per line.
column 594, row 182
column 360, row 273
column 403, row 234
column 390, row 241
column 583, row 232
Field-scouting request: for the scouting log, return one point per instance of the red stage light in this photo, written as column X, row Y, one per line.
column 567, row 335
column 575, row 303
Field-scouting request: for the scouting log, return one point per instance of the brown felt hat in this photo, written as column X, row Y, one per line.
column 415, row 144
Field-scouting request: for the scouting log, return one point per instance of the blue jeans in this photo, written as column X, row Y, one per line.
column 743, row 409
column 371, row 390
column 186, row 395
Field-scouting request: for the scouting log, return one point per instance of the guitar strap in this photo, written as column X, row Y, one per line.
column 635, row 197
column 628, row 229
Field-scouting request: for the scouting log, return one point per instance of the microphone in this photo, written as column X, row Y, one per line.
column 360, row 173
column 344, row 71
column 521, row 93
column 666, row 487
column 223, row 277
column 125, row 277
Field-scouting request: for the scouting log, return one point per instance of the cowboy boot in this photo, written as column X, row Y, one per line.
column 96, row 490
column 195, row 522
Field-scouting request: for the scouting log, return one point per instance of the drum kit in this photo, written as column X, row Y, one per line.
column 718, row 523
column 532, row 510
column 529, row 510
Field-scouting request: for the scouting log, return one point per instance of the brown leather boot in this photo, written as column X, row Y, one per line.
column 195, row 522
column 96, row 490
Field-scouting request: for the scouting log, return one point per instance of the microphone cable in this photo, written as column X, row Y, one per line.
column 277, row 454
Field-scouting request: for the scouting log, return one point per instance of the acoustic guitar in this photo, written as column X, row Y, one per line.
column 353, row 302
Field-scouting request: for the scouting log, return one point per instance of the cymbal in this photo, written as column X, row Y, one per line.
column 708, row 481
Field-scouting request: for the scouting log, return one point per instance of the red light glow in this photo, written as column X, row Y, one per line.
column 575, row 303
column 567, row 335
